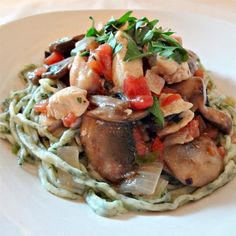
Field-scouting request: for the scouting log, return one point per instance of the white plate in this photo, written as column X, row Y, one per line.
column 27, row 209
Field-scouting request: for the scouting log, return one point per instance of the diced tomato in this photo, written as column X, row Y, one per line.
column 69, row 119
column 137, row 90
column 193, row 128
column 211, row 151
column 157, row 145
column 141, row 147
column 141, row 102
column 171, row 98
column 199, row 72
column 168, row 90
column 104, row 53
column 95, row 66
column 39, row 71
column 41, row 107
column 136, row 86
column 53, row 58
column 221, row 151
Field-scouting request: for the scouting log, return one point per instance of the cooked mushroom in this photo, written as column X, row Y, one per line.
column 172, row 127
column 192, row 61
column 65, row 45
column 114, row 109
column 194, row 91
column 109, row 146
column 196, row 163
column 59, row 69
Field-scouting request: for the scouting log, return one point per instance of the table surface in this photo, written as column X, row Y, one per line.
column 14, row 9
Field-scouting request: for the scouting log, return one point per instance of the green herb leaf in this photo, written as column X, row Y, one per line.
column 156, row 112
column 79, row 99
column 147, row 158
column 92, row 31
column 125, row 17
column 85, row 54
column 132, row 49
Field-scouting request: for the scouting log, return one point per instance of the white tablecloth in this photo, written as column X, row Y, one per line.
column 14, row 9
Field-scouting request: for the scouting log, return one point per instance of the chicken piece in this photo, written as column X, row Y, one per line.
column 196, row 163
column 173, row 127
column 82, row 76
column 174, row 107
column 193, row 90
column 121, row 69
column 70, row 99
column 172, row 71
column 109, row 146
column 184, row 135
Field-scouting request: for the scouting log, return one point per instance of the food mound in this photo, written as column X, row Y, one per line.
column 125, row 117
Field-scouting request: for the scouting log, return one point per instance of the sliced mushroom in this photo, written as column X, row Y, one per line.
column 114, row 109
column 192, row 61
column 184, row 135
column 175, row 107
column 109, row 146
column 59, row 69
column 196, row 163
column 172, row 127
column 65, row 45
column 194, row 91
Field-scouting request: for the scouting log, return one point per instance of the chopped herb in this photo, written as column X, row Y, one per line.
column 92, row 31
column 44, row 96
column 15, row 148
column 156, row 112
column 147, row 158
column 85, row 54
column 79, row 100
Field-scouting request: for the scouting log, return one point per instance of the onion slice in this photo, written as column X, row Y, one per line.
column 145, row 182
column 155, row 82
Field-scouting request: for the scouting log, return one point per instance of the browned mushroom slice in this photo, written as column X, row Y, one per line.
column 59, row 69
column 196, row 163
column 109, row 146
column 194, row 91
column 65, row 45
column 192, row 61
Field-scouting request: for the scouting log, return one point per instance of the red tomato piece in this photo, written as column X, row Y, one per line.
column 221, row 151
column 157, row 145
column 39, row 71
column 137, row 90
column 141, row 102
column 69, row 119
column 53, row 58
column 199, row 72
column 41, row 107
column 167, row 101
column 104, row 53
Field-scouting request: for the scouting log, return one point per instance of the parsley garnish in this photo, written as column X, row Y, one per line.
column 156, row 112
column 79, row 99
column 144, row 38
